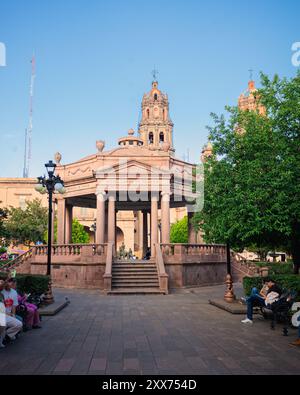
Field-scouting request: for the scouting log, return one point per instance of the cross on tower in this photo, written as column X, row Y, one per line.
column 154, row 74
column 251, row 74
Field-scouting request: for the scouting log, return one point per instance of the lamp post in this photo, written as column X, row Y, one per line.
column 51, row 184
column 229, row 293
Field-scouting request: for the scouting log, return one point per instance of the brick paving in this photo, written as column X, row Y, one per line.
column 175, row 334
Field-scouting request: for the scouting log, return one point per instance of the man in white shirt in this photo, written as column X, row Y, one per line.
column 10, row 296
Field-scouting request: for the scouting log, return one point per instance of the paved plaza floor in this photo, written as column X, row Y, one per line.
column 176, row 334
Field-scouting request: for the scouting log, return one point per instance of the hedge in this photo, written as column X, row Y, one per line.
column 285, row 281
column 30, row 283
column 277, row 268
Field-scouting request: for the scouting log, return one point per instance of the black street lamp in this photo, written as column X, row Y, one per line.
column 52, row 184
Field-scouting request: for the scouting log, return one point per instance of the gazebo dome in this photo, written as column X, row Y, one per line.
column 130, row 140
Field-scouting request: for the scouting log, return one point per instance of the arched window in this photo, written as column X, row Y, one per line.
column 150, row 141
column 155, row 96
column 148, row 113
column 161, row 137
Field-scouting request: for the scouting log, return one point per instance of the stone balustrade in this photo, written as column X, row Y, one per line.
column 71, row 250
column 72, row 265
column 187, row 252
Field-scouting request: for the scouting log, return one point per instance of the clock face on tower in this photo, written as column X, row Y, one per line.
column 156, row 112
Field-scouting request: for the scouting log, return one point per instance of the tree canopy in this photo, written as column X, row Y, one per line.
column 252, row 180
column 28, row 225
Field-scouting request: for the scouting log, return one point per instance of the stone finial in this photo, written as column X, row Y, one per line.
column 57, row 158
column 130, row 132
column 100, row 144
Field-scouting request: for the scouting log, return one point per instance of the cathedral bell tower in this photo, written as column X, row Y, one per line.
column 156, row 127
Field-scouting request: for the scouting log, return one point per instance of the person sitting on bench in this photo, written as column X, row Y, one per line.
column 10, row 297
column 254, row 291
column 273, row 294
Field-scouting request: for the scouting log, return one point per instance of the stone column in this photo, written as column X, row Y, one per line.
column 61, row 220
column 145, row 232
column 165, row 218
column 111, row 219
column 100, row 218
column 154, row 224
column 191, row 231
column 68, row 227
column 140, row 231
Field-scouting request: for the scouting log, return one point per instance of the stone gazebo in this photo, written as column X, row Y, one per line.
column 141, row 175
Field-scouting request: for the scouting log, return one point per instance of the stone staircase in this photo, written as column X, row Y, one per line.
column 241, row 268
column 137, row 277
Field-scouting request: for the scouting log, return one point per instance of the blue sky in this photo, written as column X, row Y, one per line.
column 94, row 62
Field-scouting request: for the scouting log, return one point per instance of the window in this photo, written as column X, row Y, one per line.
column 148, row 113
column 161, row 137
column 155, row 96
column 150, row 138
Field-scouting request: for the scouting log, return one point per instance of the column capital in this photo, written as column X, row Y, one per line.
column 111, row 198
column 165, row 195
column 154, row 198
column 101, row 194
column 59, row 197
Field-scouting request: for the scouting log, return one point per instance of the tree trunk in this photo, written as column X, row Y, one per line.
column 295, row 246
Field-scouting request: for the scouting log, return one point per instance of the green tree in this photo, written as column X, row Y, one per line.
column 3, row 228
column 252, row 181
column 28, row 225
column 79, row 235
column 179, row 231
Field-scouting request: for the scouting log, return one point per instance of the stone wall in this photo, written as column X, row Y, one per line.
column 195, row 274
column 73, row 275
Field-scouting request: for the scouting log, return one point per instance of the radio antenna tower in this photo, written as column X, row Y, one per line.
column 28, row 131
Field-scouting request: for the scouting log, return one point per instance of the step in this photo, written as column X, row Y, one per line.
column 134, row 260
column 133, row 275
column 134, row 291
column 123, row 266
column 132, row 271
column 135, row 281
column 134, row 285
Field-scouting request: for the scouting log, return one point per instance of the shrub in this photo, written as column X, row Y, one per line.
column 4, row 262
column 79, row 235
column 285, row 281
column 179, row 231
column 277, row 268
column 30, row 283
column 281, row 268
